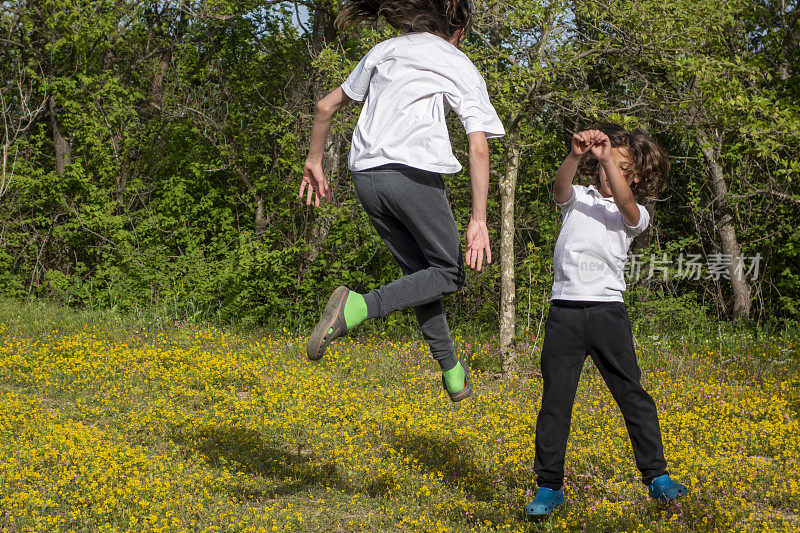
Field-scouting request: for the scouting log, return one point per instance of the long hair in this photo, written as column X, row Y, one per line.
column 440, row 17
column 652, row 164
column 650, row 161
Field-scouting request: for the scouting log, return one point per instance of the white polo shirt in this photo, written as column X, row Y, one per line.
column 592, row 247
column 410, row 83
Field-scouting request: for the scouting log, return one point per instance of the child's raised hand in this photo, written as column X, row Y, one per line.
column 314, row 179
column 594, row 140
column 581, row 142
column 601, row 147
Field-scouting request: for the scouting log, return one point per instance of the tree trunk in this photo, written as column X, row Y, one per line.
column 791, row 42
column 122, row 181
column 158, row 77
column 508, row 184
column 5, row 178
column 725, row 227
column 323, row 32
column 322, row 223
column 59, row 141
column 261, row 221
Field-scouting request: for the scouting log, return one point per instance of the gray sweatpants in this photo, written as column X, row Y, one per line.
column 410, row 211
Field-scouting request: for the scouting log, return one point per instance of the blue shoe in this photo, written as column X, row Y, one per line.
column 545, row 502
column 663, row 488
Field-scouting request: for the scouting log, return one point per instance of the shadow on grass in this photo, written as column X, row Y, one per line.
column 458, row 465
column 272, row 471
column 461, row 470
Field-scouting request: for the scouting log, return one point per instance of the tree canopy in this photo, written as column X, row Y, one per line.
column 152, row 152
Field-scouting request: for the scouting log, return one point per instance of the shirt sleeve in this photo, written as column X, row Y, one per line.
column 564, row 206
column 644, row 221
column 473, row 107
column 356, row 86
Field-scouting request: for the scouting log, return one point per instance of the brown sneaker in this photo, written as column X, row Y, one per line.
column 464, row 393
column 330, row 326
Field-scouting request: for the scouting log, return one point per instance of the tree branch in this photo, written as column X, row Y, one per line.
column 777, row 194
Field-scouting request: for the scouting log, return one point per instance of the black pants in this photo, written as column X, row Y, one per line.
column 410, row 211
column 601, row 330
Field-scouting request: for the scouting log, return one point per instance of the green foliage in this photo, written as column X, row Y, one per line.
column 186, row 128
column 655, row 312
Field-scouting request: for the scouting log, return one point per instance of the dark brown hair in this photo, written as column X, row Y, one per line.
column 650, row 161
column 440, row 17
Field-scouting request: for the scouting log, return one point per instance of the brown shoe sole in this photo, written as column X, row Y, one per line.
column 332, row 319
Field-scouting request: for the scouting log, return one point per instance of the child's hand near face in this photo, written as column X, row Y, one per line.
column 580, row 143
column 594, row 140
column 601, row 148
column 612, row 178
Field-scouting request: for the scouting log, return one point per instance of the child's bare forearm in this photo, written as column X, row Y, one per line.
column 622, row 194
column 319, row 132
column 323, row 116
column 479, row 173
column 562, row 188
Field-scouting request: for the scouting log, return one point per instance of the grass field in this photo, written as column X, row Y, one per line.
column 110, row 424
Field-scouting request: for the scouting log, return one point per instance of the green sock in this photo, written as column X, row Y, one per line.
column 454, row 378
column 355, row 310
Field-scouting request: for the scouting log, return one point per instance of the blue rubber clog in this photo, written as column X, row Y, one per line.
column 545, row 502
column 663, row 488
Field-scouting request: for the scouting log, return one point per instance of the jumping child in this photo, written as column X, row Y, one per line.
column 587, row 315
column 399, row 150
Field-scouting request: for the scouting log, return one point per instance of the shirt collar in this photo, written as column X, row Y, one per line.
column 592, row 188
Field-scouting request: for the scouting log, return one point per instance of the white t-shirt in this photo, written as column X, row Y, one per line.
column 592, row 248
column 410, row 83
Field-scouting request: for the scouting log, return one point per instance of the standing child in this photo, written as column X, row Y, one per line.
column 587, row 314
column 399, row 150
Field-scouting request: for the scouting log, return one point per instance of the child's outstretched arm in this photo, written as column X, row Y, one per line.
column 313, row 177
column 620, row 190
column 562, row 189
column 477, row 232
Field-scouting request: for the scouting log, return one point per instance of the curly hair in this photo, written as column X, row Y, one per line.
column 440, row 17
column 650, row 161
